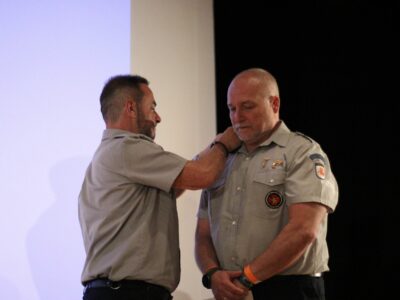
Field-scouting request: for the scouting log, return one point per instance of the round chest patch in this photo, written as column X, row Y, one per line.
column 274, row 199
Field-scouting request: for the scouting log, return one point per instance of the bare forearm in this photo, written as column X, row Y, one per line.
column 206, row 257
column 292, row 241
column 205, row 260
column 284, row 251
column 201, row 173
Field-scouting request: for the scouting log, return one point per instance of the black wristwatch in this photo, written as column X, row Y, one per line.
column 245, row 282
column 206, row 279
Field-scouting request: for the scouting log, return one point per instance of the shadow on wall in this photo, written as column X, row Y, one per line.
column 54, row 244
column 8, row 290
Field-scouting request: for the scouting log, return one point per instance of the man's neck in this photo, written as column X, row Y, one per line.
column 250, row 147
column 122, row 126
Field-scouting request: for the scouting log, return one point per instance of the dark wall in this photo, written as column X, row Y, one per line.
column 336, row 65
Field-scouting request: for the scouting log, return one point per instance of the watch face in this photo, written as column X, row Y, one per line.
column 206, row 281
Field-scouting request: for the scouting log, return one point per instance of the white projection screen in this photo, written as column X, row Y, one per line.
column 54, row 59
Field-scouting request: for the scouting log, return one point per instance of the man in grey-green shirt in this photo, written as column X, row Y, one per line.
column 262, row 226
column 127, row 204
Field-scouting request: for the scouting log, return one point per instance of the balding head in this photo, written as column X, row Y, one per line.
column 257, row 77
column 253, row 102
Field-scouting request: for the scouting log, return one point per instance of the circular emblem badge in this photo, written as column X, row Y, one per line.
column 274, row 199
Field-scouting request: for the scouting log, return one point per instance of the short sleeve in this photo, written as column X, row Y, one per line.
column 310, row 178
column 149, row 164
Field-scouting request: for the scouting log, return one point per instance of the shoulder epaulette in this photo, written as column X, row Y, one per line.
column 304, row 136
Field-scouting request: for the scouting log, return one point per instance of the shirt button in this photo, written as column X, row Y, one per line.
column 233, row 258
column 247, row 158
column 271, row 180
column 233, row 222
column 238, row 188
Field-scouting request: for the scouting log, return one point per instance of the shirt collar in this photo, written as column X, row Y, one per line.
column 280, row 137
column 111, row 133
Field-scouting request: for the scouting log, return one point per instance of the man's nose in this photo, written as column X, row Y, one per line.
column 158, row 118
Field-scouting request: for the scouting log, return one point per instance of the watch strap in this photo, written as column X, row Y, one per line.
column 223, row 147
column 245, row 281
column 207, row 277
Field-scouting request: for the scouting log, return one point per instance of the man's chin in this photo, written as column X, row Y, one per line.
column 150, row 132
column 152, row 135
column 243, row 137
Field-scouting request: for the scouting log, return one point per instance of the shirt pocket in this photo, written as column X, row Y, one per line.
column 267, row 199
column 272, row 179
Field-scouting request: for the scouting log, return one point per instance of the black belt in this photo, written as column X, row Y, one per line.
column 115, row 285
column 296, row 276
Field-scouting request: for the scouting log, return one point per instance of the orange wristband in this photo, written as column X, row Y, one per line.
column 250, row 275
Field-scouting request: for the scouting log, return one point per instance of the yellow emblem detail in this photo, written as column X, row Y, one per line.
column 277, row 163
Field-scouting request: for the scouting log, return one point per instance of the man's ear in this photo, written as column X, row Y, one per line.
column 130, row 108
column 275, row 103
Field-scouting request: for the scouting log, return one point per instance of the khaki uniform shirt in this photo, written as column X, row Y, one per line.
column 128, row 213
column 248, row 206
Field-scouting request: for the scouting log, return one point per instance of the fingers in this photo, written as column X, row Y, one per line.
column 234, row 274
column 223, row 286
column 230, row 139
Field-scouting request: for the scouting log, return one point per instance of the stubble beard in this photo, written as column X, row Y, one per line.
column 145, row 127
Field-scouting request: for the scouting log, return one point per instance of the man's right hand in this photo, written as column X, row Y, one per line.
column 229, row 138
column 223, row 287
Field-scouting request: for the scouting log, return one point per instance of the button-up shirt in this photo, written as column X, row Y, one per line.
column 248, row 206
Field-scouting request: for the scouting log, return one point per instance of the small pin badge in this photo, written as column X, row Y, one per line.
column 264, row 162
column 277, row 163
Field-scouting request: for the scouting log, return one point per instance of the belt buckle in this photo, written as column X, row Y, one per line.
column 316, row 275
column 115, row 285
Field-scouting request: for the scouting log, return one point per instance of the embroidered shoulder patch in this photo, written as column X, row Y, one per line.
column 319, row 165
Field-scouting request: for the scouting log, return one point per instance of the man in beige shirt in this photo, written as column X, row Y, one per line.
column 262, row 225
column 127, row 204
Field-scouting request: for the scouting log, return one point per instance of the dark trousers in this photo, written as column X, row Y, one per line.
column 290, row 287
column 124, row 290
